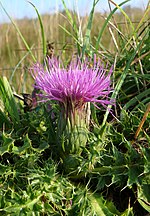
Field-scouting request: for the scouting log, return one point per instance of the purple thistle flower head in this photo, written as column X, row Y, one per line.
column 75, row 85
column 74, row 88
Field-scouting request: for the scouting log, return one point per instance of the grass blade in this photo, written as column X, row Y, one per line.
column 122, row 78
column 3, row 119
column 19, row 63
column 42, row 29
column 77, row 34
column 137, row 98
column 105, row 25
column 87, row 36
column 8, row 100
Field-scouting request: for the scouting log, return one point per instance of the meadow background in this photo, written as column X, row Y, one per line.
column 112, row 175
column 15, row 63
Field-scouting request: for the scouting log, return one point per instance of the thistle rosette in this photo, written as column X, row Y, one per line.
column 73, row 88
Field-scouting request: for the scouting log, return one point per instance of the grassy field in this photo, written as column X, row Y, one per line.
column 49, row 164
column 15, row 59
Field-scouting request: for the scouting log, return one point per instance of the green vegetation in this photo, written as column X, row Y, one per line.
column 112, row 175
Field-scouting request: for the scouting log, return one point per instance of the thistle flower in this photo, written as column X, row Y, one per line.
column 74, row 88
column 77, row 84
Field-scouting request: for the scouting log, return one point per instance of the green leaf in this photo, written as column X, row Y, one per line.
column 146, row 155
column 98, row 205
column 137, row 98
column 43, row 145
column 7, row 97
column 112, row 208
column 22, row 149
column 143, row 193
column 133, row 174
column 16, row 207
column 3, row 169
column 7, row 144
column 4, row 119
column 128, row 212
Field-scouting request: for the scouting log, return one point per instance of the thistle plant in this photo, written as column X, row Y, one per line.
column 74, row 88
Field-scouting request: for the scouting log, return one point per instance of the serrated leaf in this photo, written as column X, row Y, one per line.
column 22, row 149
column 143, row 193
column 146, row 155
column 133, row 174
column 3, row 169
column 29, row 204
column 42, row 147
column 7, row 144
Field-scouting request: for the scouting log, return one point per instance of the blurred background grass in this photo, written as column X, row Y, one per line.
column 16, row 60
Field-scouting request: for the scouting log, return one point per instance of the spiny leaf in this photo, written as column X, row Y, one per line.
column 133, row 175
column 22, row 149
column 3, row 169
column 7, row 144
column 143, row 192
